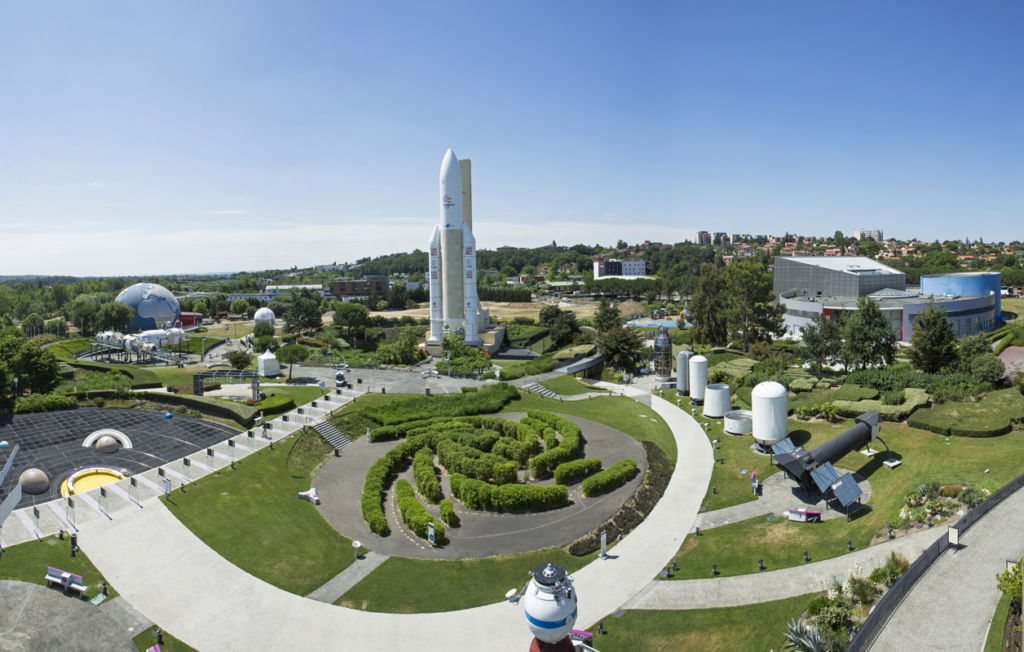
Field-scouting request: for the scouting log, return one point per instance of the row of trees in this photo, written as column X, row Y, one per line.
column 735, row 302
column 863, row 339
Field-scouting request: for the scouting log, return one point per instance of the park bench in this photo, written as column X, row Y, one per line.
column 65, row 579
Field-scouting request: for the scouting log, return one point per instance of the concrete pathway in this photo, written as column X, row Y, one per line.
column 775, row 585
column 951, row 607
column 34, row 617
column 172, row 577
column 336, row 587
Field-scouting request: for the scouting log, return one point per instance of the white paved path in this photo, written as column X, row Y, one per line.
column 173, row 578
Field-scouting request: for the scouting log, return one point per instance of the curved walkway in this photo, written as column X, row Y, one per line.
column 951, row 606
column 778, row 584
column 34, row 617
column 173, row 578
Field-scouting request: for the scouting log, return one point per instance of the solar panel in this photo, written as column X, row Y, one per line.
column 824, row 476
column 846, row 490
column 783, row 446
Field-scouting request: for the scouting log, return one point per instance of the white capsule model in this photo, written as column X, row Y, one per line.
column 698, row 377
column 434, row 285
column 549, row 604
column 683, row 372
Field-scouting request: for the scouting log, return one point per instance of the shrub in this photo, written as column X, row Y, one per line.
column 43, row 403
column 542, row 464
column 862, row 589
column 971, row 497
column 950, row 491
column 914, row 398
column 569, row 472
column 834, row 615
column 987, row 368
column 414, row 515
column 423, row 473
column 521, row 497
column 609, row 479
column 448, row 513
column 895, row 397
column 818, row 603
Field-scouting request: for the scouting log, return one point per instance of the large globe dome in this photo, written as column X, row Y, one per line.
column 154, row 306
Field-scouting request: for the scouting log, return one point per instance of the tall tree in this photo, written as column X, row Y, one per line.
column 607, row 316
column 868, row 337
column 564, row 328
column 548, row 314
column 303, row 312
column 821, row 342
column 933, row 345
column 290, row 354
column 709, row 307
column 971, row 347
column 114, row 315
column 620, row 347
column 37, row 369
column 238, row 306
column 753, row 314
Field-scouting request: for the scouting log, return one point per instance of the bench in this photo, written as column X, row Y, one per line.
column 65, row 579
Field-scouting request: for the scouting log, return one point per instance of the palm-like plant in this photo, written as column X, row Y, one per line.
column 802, row 636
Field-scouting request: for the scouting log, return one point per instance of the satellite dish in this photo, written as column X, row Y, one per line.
column 510, row 594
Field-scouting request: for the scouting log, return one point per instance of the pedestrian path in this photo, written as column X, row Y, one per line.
column 173, row 578
column 775, row 585
column 951, row 606
column 338, row 585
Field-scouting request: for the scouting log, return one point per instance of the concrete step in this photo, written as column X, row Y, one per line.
column 331, row 435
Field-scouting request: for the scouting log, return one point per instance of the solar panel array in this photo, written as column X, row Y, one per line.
column 783, row 446
column 825, row 476
column 846, row 490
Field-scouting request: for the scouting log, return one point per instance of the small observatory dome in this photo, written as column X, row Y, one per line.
column 264, row 316
column 154, row 305
column 550, row 604
column 106, row 444
column 34, row 481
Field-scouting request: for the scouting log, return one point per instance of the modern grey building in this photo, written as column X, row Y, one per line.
column 837, row 276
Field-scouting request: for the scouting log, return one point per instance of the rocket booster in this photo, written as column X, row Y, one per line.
column 434, row 285
column 451, row 240
column 469, row 270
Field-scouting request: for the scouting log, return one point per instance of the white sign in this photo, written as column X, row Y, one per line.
column 167, row 486
column 604, row 545
column 430, row 533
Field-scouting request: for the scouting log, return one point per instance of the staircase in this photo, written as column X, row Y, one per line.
column 331, row 435
column 537, row 388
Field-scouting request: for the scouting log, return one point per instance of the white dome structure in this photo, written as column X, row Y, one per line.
column 154, row 305
column 550, row 604
column 698, row 377
column 716, row 400
column 770, row 410
column 264, row 316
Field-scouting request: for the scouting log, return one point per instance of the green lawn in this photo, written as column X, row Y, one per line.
column 350, row 419
column 567, row 386
column 67, row 349
column 253, row 517
column 926, row 457
column 991, row 414
column 615, row 411
column 731, row 479
column 301, row 394
column 147, row 639
column 182, row 377
column 402, row 585
column 759, row 626
column 994, row 640
column 27, row 562
column 848, row 392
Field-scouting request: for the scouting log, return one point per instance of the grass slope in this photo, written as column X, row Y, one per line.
column 991, row 415
column 402, row 585
column 253, row 518
column 27, row 562
column 567, row 386
column 147, row 639
column 758, row 626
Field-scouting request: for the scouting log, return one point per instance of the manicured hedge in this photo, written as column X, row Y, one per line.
column 542, row 464
column 414, row 515
column 913, row 399
column 512, row 497
column 567, row 449
column 43, row 403
column 380, row 471
column 490, row 398
column 611, row 478
column 570, row 472
column 459, row 458
column 514, row 449
column 475, row 494
column 141, row 378
column 276, row 404
column 448, row 513
column 423, row 472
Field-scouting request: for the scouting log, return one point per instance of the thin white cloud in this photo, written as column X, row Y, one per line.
column 228, row 211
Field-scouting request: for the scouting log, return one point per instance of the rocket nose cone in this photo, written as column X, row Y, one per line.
column 449, row 164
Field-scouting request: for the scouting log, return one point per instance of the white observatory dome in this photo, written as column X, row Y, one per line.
column 264, row 316
column 550, row 604
column 716, row 400
column 698, row 377
column 768, row 404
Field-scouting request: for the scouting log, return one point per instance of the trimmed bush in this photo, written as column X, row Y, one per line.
column 521, row 497
column 475, row 494
column 43, row 403
column 490, row 398
column 414, row 515
column 914, row 398
column 448, row 513
column 426, row 479
column 609, row 479
column 569, row 472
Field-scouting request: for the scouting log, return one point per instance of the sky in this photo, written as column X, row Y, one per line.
column 194, row 137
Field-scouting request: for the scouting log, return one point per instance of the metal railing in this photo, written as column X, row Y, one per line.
column 890, row 602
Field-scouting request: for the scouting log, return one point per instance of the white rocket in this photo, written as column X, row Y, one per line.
column 452, row 273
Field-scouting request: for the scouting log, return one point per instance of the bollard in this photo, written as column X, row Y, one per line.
column 760, row 564
column 674, row 567
column 714, row 569
column 159, row 636
column 337, row 452
column 849, row 546
column 891, row 534
column 696, row 531
column 714, row 489
column 806, row 558
column 105, row 589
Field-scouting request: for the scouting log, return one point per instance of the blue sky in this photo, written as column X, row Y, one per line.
column 142, row 138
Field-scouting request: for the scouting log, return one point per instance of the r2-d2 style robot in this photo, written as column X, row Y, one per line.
column 549, row 605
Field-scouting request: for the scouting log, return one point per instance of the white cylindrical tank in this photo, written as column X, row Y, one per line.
column 738, row 422
column 434, row 285
column 175, row 336
column 469, row 289
column 716, row 400
column 683, row 371
column 549, row 604
column 156, row 337
column 264, row 316
column 770, row 410
column 698, row 377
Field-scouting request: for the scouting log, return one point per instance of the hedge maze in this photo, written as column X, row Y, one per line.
column 485, row 457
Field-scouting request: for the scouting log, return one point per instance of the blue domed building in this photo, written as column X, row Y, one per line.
column 154, row 306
